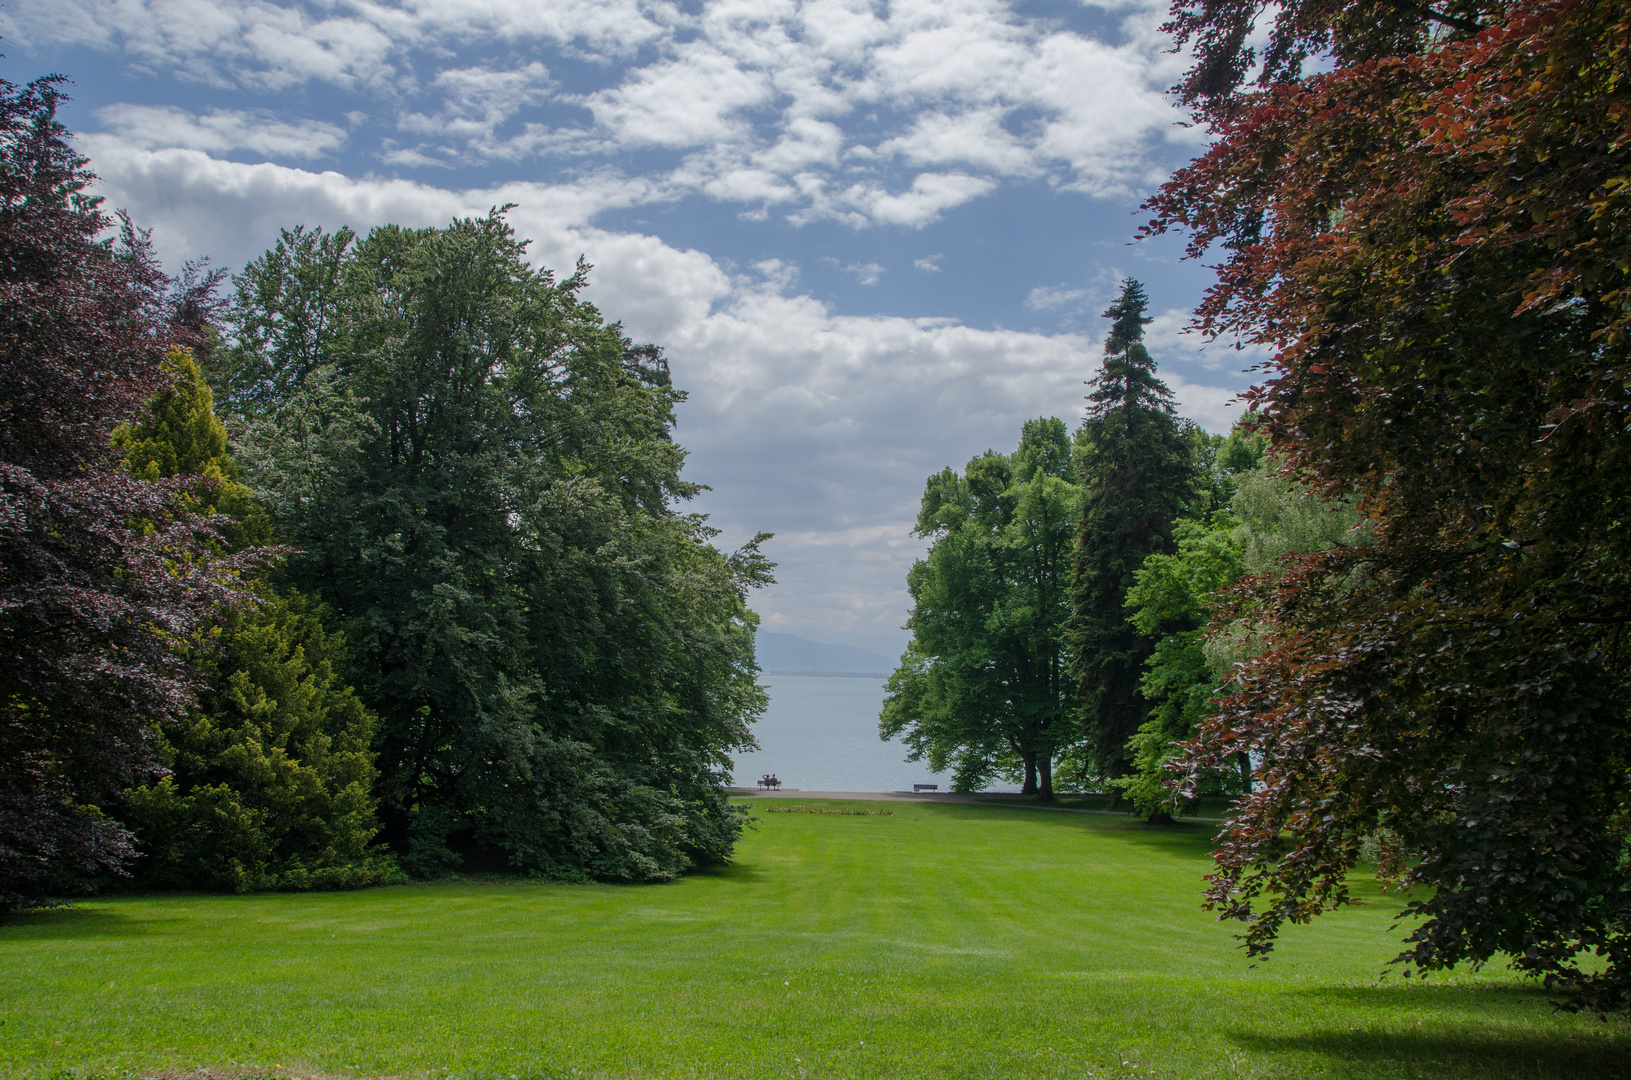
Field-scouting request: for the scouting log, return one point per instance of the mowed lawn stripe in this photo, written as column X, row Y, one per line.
column 966, row 941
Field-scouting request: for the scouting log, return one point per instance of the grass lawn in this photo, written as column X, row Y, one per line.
column 935, row 940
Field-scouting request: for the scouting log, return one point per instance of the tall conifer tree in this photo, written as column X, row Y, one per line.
column 1137, row 474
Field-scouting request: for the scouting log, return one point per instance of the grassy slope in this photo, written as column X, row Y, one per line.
column 950, row 940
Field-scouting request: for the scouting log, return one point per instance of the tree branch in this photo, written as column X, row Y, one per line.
column 1455, row 22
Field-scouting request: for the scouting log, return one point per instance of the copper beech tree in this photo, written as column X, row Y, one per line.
column 1435, row 235
column 102, row 573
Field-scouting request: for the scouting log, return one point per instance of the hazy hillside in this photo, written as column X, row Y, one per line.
column 789, row 652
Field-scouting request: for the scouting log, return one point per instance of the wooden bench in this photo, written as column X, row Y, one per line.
column 768, row 785
column 925, row 787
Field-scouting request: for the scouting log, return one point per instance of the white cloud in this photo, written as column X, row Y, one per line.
column 475, row 102
column 1054, row 297
column 806, row 107
column 863, row 273
column 264, row 44
column 1168, row 335
column 930, row 195
column 695, row 99
column 818, row 426
column 221, row 131
column 975, row 139
column 929, row 262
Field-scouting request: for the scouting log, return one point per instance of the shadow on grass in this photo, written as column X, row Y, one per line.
column 745, row 873
column 1467, row 1032
column 69, row 923
column 1462, row 1052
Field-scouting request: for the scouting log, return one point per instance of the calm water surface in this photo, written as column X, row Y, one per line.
column 822, row 734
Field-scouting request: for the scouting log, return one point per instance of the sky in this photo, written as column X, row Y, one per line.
column 872, row 236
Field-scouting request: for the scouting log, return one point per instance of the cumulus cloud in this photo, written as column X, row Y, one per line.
column 822, row 110
column 221, row 131
column 475, row 103
column 1168, row 335
column 930, row 263
column 265, row 44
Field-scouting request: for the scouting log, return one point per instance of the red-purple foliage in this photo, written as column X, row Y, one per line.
column 1434, row 237
column 101, row 574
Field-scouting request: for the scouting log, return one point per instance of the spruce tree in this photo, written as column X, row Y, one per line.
column 1137, row 474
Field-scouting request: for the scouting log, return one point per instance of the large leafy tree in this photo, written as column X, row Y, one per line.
column 104, row 575
column 1433, row 237
column 983, row 687
column 1138, row 476
column 478, row 471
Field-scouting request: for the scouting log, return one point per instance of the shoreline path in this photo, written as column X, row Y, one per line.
column 1011, row 801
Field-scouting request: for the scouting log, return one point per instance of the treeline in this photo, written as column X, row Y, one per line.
column 375, row 564
column 1059, row 620
column 1423, row 210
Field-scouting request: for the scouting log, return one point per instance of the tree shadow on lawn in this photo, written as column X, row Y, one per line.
column 1466, row 1033
column 744, row 873
column 70, row 923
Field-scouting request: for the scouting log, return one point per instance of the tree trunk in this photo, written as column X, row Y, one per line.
column 1029, row 787
column 1045, row 769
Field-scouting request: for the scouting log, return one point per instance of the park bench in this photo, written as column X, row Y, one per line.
column 925, row 787
column 769, row 783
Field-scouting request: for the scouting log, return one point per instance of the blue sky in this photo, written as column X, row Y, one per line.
column 873, row 237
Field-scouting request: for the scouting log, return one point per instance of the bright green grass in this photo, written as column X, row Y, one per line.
column 939, row 940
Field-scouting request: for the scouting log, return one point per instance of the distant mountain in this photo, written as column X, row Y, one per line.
column 791, row 653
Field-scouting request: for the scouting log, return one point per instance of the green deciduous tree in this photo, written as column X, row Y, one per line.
column 1269, row 516
column 1138, row 477
column 983, row 688
column 479, row 474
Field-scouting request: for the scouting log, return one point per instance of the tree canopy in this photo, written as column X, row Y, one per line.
column 478, row 471
column 269, row 777
column 1432, row 237
column 983, row 688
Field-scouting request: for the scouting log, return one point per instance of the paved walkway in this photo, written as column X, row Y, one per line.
column 930, row 796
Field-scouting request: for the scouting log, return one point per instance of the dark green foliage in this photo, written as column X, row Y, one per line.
column 271, row 783
column 1169, row 605
column 983, row 688
column 1138, row 477
column 479, row 474
column 272, row 772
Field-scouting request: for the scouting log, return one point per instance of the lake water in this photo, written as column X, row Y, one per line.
column 821, row 734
